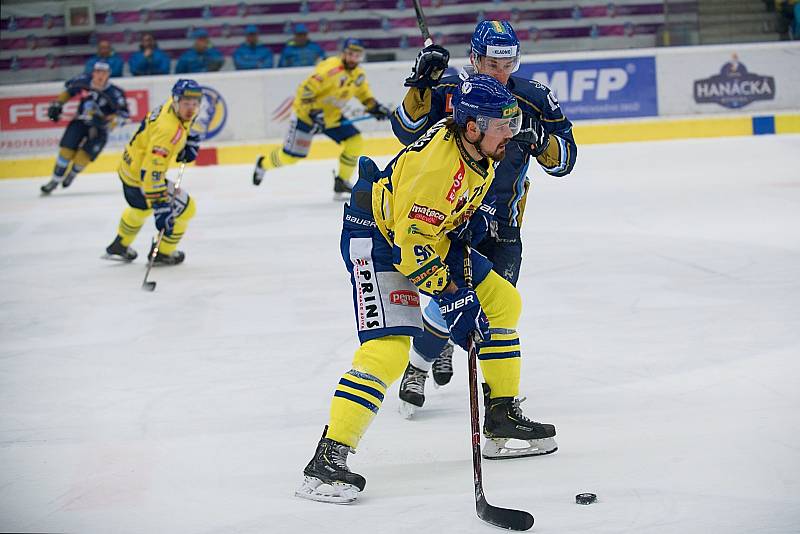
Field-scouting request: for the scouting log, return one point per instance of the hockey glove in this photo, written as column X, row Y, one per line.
column 189, row 152
column 317, row 119
column 379, row 111
column 475, row 230
column 428, row 69
column 54, row 110
column 533, row 138
column 165, row 217
column 464, row 315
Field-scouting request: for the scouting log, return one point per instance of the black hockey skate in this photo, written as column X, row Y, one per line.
column 175, row 258
column 412, row 390
column 68, row 179
column 259, row 171
column 341, row 189
column 327, row 477
column 504, row 421
column 118, row 251
column 48, row 188
column 443, row 366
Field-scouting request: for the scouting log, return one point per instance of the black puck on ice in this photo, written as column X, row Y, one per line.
column 585, row 498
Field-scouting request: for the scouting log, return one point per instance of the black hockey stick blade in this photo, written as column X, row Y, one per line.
column 149, row 285
column 503, row 517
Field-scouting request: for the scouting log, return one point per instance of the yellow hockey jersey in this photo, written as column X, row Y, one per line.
column 434, row 187
column 150, row 151
column 329, row 89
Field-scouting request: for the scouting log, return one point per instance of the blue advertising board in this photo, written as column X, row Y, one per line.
column 600, row 88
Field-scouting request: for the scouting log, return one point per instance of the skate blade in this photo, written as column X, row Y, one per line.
column 406, row 409
column 335, row 493
column 115, row 257
column 499, row 449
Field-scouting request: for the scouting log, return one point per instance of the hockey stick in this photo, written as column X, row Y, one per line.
column 150, row 285
column 360, row 118
column 423, row 25
column 506, row 518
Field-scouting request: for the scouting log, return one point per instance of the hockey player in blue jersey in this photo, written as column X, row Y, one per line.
column 546, row 139
column 101, row 107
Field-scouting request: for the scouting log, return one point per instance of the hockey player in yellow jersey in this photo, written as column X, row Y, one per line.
column 404, row 233
column 163, row 137
column 317, row 108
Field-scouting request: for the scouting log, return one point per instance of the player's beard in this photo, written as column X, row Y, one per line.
column 498, row 153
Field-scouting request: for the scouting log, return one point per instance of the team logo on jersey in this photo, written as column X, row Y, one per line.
column 426, row 214
column 404, row 297
column 213, row 113
column 458, row 180
column 466, row 87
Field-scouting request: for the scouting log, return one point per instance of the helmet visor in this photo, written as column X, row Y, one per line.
column 506, row 126
column 498, row 59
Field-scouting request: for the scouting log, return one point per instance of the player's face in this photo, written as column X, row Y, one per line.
column 351, row 58
column 188, row 108
column 498, row 68
column 100, row 78
column 496, row 137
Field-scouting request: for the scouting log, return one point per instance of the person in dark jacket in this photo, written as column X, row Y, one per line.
column 150, row 59
column 251, row 54
column 202, row 57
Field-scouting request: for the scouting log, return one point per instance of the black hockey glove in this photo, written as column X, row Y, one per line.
column 429, row 67
column 54, row 111
column 379, row 111
column 533, row 138
column 189, row 152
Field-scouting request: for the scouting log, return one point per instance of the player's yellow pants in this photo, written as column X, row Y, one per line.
column 378, row 363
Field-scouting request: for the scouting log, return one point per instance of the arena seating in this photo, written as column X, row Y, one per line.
column 36, row 46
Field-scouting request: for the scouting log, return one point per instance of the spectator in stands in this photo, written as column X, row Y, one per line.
column 106, row 54
column 200, row 58
column 150, row 59
column 251, row 54
column 300, row 51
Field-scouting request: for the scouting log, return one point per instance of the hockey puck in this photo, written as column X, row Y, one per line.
column 585, row 498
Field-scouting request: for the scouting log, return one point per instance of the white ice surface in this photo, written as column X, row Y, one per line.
column 661, row 335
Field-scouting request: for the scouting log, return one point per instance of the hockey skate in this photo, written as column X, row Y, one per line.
column 504, row 421
column 48, row 188
column 341, row 189
column 68, row 179
column 327, row 477
column 259, row 171
column 443, row 366
column 118, row 251
column 412, row 391
column 175, row 258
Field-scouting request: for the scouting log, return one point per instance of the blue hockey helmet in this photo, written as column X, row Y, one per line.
column 496, row 39
column 185, row 88
column 488, row 102
column 353, row 44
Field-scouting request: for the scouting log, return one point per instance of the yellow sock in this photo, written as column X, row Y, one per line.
column 359, row 394
column 348, row 159
column 499, row 356
column 278, row 158
column 130, row 223
column 170, row 242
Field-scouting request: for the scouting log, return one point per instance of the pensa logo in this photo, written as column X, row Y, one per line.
column 404, row 297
